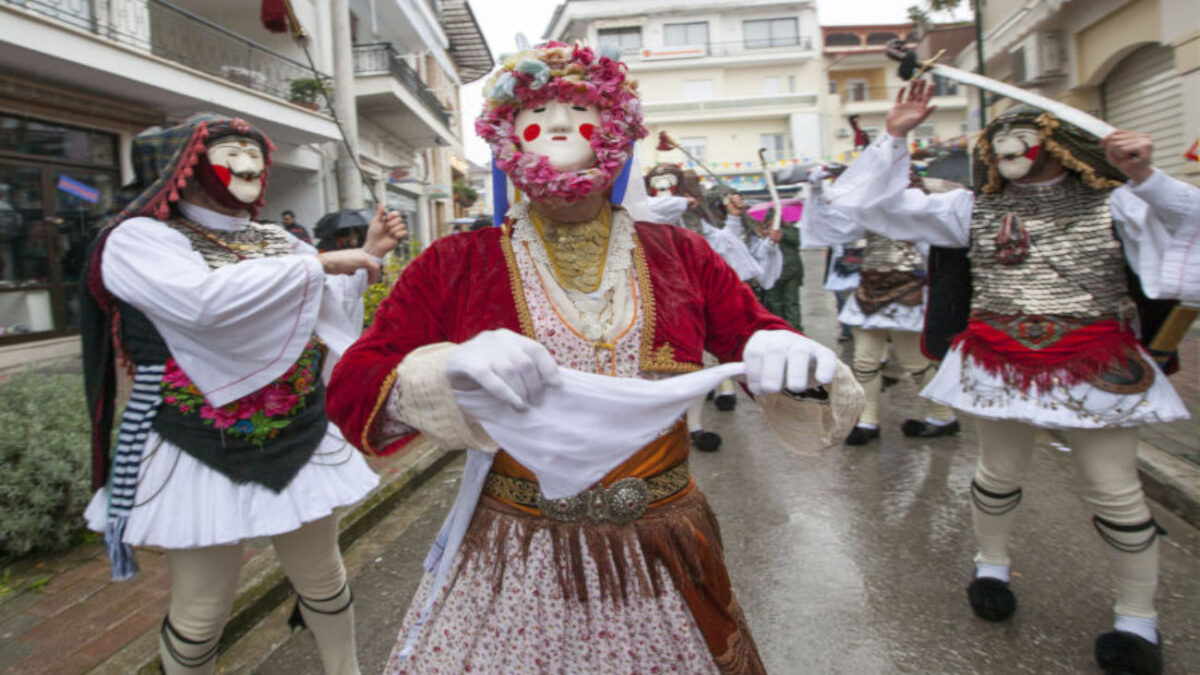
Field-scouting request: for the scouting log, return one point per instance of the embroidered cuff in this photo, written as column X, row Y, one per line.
column 810, row 426
column 426, row 401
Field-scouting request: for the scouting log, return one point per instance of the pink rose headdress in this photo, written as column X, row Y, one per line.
column 570, row 74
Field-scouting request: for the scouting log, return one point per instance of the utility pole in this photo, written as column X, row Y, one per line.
column 977, row 6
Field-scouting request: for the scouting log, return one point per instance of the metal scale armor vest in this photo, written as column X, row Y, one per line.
column 1074, row 267
column 888, row 255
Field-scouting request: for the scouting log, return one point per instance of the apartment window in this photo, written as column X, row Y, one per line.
column 944, row 86
column 777, row 146
column 697, row 90
column 856, row 90
column 697, row 147
column 685, row 34
column 764, row 33
column 842, row 40
column 833, row 86
column 925, row 131
column 625, row 39
column 881, row 38
column 771, row 86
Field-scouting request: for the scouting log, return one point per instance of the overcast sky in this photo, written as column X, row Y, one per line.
column 501, row 20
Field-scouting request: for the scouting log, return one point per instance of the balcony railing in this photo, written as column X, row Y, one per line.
column 381, row 57
column 730, row 104
column 175, row 34
column 720, row 49
column 942, row 87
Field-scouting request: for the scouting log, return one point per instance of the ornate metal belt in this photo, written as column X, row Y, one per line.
column 1036, row 331
column 622, row 502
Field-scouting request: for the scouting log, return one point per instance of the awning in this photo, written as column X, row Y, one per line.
column 467, row 46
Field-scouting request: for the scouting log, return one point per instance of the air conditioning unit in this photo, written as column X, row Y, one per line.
column 1038, row 58
column 843, row 132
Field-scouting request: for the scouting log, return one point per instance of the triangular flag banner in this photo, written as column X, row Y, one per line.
column 1193, row 153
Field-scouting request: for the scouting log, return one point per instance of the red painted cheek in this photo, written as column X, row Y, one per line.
column 224, row 173
column 531, row 132
column 1032, row 153
column 586, row 130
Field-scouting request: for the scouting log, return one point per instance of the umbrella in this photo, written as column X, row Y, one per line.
column 344, row 219
column 792, row 208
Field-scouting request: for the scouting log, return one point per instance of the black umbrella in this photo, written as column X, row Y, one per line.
column 344, row 219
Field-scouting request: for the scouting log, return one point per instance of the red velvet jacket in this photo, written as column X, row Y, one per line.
column 469, row 283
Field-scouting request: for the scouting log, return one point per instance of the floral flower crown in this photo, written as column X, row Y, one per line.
column 571, row 74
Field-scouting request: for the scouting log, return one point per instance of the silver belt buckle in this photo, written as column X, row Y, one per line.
column 621, row 503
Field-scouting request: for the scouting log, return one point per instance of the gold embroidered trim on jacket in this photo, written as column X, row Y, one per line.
column 518, row 290
column 380, row 401
column 651, row 360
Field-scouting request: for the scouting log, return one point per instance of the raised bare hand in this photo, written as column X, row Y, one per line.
column 1129, row 151
column 385, row 232
column 911, row 108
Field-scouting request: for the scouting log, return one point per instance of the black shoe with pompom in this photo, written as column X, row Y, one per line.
column 1123, row 653
column 860, row 435
column 706, row 441
column 991, row 599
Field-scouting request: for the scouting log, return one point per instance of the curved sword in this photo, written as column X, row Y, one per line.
column 910, row 67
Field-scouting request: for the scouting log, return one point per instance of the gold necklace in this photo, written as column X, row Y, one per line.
column 577, row 251
column 228, row 243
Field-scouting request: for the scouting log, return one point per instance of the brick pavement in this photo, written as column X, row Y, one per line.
column 63, row 613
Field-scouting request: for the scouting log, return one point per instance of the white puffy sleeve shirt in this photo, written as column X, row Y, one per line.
column 235, row 329
column 875, row 192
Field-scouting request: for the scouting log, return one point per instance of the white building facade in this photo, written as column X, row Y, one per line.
column 722, row 79
column 1134, row 63
column 81, row 77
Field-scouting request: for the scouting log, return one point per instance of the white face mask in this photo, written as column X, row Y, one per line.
column 663, row 184
column 1017, row 151
column 561, row 132
column 244, row 159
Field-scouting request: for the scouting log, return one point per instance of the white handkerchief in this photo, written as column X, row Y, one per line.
column 589, row 424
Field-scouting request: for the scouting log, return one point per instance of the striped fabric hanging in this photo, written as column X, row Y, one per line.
column 123, row 478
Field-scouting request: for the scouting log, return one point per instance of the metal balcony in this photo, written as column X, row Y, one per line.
column 381, row 57
column 173, row 33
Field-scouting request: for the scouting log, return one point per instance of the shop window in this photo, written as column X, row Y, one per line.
column 50, row 201
column 24, row 136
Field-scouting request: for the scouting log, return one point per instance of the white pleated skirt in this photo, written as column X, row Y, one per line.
column 966, row 387
column 895, row 316
column 182, row 503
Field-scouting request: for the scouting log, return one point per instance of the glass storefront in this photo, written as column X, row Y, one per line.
column 55, row 183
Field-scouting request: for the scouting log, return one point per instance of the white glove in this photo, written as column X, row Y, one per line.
column 816, row 175
column 509, row 366
column 774, row 357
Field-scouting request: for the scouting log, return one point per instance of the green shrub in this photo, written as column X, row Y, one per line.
column 45, row 460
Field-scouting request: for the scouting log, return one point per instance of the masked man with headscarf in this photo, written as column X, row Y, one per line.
column 887, row 306
column 559, row 349
column 1051, row 342
column 225, row 326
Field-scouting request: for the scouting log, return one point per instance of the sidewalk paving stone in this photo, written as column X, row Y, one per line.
column 64, row 614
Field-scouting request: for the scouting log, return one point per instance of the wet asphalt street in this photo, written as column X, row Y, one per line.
column 853, row 562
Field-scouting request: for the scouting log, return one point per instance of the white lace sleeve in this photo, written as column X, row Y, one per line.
column 423, row 399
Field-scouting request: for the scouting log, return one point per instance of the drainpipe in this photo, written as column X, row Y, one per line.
column 978, row 7
column 350, row 188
